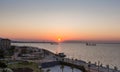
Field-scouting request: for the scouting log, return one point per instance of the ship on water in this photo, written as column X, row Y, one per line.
column 90, row 44
column 54, row 43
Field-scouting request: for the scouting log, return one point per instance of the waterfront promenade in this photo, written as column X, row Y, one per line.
column 90, row 67
column 52, row 59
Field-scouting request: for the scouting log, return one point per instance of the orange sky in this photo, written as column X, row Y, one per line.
column 70, row 20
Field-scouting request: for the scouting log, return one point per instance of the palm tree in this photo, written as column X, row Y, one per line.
column 48, row 70
column 115, row 68
column 89, row 65
column 95, row 63
column 72, row 68
column 3, row 66
column 40, row 69
column 4, row 70
column 101, row 65
column 107, row 67
column 62, row 67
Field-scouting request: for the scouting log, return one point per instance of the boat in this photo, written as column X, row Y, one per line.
column 54, row 43
column 61, row 55
column 90, row 44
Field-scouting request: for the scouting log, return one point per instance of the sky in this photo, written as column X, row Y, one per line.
column 60, row 19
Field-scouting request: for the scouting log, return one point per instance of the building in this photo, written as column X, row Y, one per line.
column 5, row 43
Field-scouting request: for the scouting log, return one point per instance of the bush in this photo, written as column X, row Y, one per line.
column 2, row 65
column 1, row 53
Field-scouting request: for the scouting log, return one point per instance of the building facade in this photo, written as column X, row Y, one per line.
column 5, row 43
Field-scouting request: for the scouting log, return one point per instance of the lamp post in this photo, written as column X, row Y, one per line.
column 98, row 66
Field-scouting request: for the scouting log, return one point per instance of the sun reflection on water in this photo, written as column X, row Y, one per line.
column 59, row 49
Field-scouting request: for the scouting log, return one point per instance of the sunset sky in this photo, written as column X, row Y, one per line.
column 60, row 19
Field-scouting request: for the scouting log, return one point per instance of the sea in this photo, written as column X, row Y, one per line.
column 107, row 54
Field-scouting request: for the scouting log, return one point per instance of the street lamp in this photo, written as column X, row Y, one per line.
column 98, row 65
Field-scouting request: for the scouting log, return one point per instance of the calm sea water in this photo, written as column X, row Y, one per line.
column 105, row 53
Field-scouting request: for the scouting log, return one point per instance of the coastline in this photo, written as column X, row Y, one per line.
column 50, row 57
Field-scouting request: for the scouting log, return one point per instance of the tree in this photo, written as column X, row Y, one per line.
column 115, row 68
column 7, row 70
column 11, row 51
column 4, row 68
column 23, row 51
column 95, row 63
column 62, row 67
column 89, row 65
column 72, row 67
column 41, row 70
column 48, row 70
column 101, row 65
column 1, row 53
column 2, row 65
column 107, row 67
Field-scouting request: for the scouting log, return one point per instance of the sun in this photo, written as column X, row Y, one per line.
column 59, row 39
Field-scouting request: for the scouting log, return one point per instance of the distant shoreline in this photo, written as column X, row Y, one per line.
column 68, row 42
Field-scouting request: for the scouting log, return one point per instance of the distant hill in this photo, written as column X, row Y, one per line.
column 70, row 41
column 33, row 42
column 97, row 42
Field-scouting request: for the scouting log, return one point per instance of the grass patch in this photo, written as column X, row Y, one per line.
column 31, row 65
